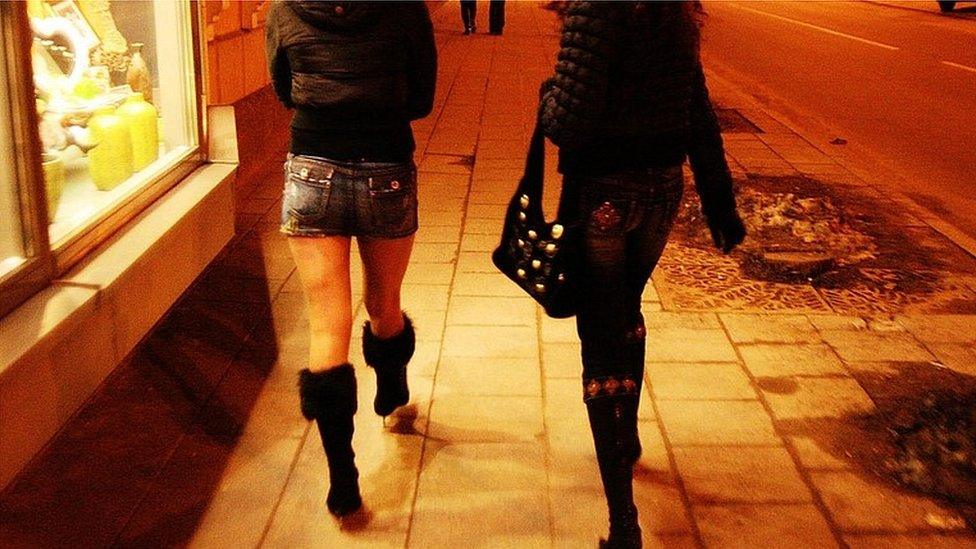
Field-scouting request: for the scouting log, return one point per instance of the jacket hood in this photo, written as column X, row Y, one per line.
column 335, row 16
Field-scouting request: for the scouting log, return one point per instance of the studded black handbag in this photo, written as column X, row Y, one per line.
column 542, row 257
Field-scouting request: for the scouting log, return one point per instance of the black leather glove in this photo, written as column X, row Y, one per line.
column 727, row 230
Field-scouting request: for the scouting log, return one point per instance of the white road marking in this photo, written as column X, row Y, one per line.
column 958, row 66
column 821, row 29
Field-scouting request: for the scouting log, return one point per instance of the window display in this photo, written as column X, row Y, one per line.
column 113, row 81
column 11, row 235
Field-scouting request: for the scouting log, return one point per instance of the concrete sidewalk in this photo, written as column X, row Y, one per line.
column 750, row 419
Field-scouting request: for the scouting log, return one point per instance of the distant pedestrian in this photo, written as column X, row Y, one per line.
column 469, row 12
column 496, row 16
column 356, row 74
column 627, row 105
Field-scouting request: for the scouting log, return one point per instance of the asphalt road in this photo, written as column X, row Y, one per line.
column 896, row 79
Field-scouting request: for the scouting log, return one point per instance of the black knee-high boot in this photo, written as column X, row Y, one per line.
column 389, row 358
column 611, row 404
column 329, row 398
column 634, row 353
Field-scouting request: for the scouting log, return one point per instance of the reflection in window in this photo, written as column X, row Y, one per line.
column 113, row 82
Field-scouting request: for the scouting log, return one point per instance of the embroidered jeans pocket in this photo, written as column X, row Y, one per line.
column 612, row 216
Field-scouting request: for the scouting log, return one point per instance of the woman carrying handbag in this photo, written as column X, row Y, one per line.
column 356, row 74
column 626, row 106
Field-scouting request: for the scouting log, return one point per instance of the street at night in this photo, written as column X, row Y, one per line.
column 191, row 353
column 896, row 80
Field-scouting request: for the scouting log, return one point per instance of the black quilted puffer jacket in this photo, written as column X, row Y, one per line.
column 356, row 72
column 629, row 92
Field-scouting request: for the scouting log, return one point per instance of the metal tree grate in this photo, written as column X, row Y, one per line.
column 884, row 264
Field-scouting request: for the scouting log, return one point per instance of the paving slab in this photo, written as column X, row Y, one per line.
column 466, row 490
column 862, row 504
column 770, row 525
column 753, row 328
column 689, row 345
column 791, row 359
column 718, row 423
column 812, row 456
column 699, row 381
column 491, row 311
column 562, row 359
column 805, row 398
column 855, row 346
column 740, row 475
column 488, row 376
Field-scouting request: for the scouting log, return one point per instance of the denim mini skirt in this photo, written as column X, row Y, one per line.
column 325, row 197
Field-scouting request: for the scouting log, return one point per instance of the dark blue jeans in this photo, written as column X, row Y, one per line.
column 626, row 218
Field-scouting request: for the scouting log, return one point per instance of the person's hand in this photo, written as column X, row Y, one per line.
column 727, row 230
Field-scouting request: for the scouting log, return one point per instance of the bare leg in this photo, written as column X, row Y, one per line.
column 323, row 267
column 384, row 266
column 328, row 386
column 388, row 337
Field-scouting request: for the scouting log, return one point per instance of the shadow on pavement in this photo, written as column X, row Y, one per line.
column 140, row 461
column 920, row 438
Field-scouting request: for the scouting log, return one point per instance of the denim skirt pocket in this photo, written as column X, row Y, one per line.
column 305, row 205
column 393, row 204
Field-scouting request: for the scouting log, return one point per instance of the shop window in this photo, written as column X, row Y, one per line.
column 11, row 233
column 115, row 99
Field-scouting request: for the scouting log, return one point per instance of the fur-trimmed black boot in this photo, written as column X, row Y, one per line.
column 610, row 403
column 329, row 398
column 388, row 358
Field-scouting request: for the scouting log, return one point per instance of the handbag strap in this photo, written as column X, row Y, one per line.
column 531, row 183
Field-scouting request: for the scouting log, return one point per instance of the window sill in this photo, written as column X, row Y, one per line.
column 57, row 347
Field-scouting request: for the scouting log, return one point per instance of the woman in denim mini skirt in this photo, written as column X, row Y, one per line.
column 357, row 74
column 627, row 106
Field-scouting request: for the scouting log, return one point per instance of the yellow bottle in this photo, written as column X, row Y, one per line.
column 111, row 159
column 140, row 117
column 53, row 168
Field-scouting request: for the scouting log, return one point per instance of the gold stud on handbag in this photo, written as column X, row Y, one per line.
column 545, row 269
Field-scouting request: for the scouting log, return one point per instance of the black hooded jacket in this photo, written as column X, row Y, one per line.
column 629, row 92
column 356, row 74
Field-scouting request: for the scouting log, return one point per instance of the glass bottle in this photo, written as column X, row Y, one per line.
column 140, row 117
column 110, row 161
column 138, row 76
